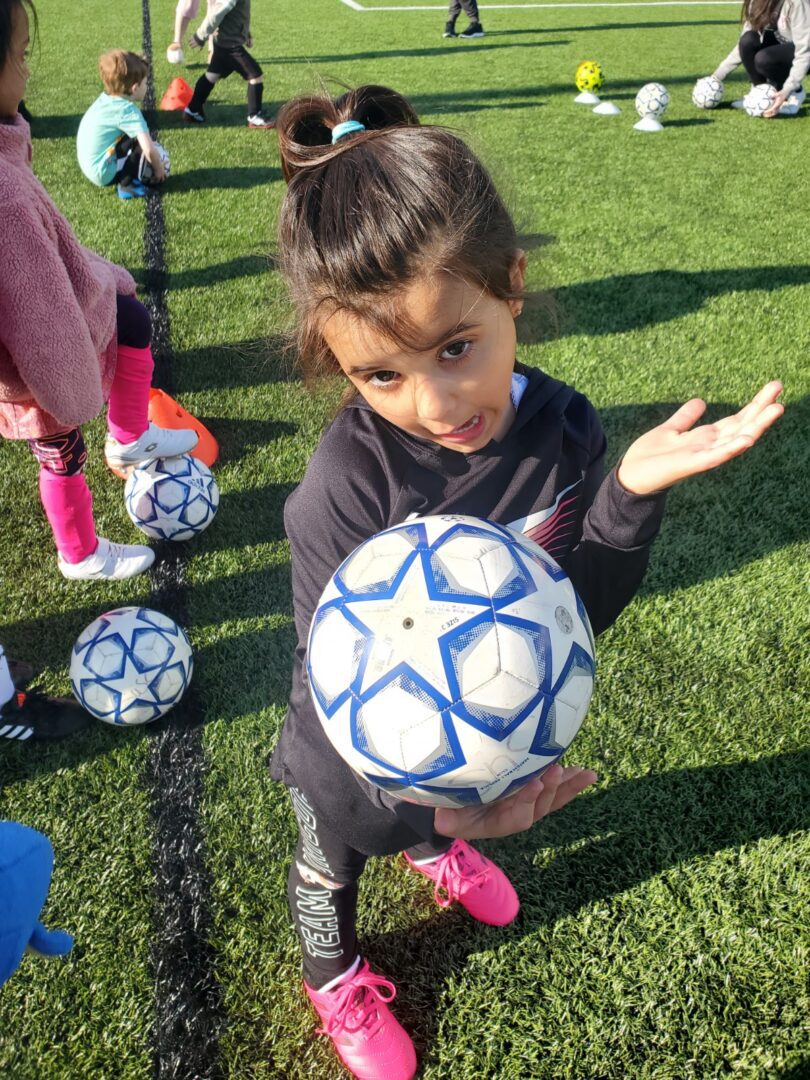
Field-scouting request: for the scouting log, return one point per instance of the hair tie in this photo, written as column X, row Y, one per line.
column 348, row 127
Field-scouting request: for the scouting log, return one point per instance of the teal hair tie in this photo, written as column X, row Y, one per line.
column 348, row 127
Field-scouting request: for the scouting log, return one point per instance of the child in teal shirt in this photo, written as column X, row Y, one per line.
column 113, row 143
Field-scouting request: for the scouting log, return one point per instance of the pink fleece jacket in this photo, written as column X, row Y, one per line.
column 58, row 344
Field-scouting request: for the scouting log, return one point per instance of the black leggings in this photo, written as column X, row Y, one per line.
column 322, row 891
column 765, row 59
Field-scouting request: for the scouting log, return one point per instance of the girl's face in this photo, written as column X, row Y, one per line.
column 455, row 393
column 14, row 76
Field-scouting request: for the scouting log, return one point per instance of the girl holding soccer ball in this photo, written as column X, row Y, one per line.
column 774, row 48
column 407, row 278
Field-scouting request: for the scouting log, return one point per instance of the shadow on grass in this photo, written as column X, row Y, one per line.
column 236, row 177
column 252, row 362
column 625, row 302
column 216, row 274
column 633, row 831
column 381, row 55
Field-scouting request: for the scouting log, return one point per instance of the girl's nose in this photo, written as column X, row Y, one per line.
column 434, row 400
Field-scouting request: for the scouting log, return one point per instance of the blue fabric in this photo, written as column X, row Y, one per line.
column 26, row 862
column 348, row 127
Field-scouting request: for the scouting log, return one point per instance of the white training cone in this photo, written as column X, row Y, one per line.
column 607, row 108
column 587, row 98
column 648, row 123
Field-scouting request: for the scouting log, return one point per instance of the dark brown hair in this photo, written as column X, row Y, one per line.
column 760, row 14
column 7, row 8
column 120, row 70
column 378, row 210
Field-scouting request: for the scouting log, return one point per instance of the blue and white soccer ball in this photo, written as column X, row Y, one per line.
column 130, row 666
column 652, row 100
column 172, row 498
column 450, row 660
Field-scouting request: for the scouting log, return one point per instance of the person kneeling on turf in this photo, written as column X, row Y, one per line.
column 774, row 48
column 113, row 143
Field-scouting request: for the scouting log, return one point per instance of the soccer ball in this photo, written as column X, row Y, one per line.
column 130, row 666
column 147, row 175
column 759, row 99
column 172, row 498
column 175, row 54
column 450, row 660
column 589, row 77
column 707, row 93
column 652, row 100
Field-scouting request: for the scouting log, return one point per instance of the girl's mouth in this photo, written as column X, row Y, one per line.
column 467, row 431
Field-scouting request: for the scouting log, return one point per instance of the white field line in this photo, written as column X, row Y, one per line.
column 518, row 7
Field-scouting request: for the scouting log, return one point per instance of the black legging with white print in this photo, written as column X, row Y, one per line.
column 322, row 891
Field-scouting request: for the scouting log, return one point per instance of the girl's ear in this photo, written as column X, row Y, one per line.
column 517, row 279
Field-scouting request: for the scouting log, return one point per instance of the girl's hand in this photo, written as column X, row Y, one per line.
column 518, row 812
column 778, row 102
column 677, row 449
column 194, row 42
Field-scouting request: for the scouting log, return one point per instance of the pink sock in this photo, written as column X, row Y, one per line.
column 69, row 509
column 128, row 414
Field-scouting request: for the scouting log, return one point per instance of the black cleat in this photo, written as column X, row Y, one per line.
column 450, row 30
column 32, row 715
column 473, row 30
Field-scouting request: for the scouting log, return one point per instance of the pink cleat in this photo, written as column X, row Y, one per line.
column 370, row 1041
column 475, row 881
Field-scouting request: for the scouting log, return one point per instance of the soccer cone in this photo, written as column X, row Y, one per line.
column 177, row 96
column 168, row 413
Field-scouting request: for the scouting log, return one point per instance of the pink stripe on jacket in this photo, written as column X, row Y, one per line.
column 58, row 344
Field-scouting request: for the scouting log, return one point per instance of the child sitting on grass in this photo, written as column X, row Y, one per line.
column 228, row 22
column 113, row 144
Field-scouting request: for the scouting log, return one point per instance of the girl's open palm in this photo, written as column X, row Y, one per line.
column 677, row 449
column 519, row 811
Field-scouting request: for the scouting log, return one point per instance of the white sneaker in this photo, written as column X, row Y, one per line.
column 793, row 103
column 110, row 562
column 740, row 102
column 156, row 442
column 259, row 120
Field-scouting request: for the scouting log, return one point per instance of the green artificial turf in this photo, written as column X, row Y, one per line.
column 663, row 932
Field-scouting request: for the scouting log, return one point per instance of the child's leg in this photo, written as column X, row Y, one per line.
column 129, row 161
column 128, row 418
column 774, row 63
column 322, row 891
column 186, row 11
column 65, row 495
column 250, row 71
column 453, row 12
column 219, row 67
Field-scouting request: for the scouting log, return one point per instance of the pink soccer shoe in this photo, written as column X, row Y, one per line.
column 466, row 875
column 370, row 1041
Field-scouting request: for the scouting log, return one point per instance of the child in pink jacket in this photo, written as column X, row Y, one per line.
column 72, row 336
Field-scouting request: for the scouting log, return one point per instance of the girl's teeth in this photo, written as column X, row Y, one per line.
column 466, row 427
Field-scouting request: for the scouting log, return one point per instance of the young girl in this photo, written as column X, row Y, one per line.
column 406, row 275
column 774, row 47
column 185, row 11
column 72, row 334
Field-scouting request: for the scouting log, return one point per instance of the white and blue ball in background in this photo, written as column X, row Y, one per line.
column 172, row 498
column 130, row 666
column 707, row 93
column 450, row 660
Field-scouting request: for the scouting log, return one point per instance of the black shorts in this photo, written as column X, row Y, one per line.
column 224, row 62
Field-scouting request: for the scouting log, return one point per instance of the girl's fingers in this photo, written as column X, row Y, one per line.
column 685, row 417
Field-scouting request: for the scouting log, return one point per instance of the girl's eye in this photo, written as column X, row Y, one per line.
column 382, row 378
column 455, row 350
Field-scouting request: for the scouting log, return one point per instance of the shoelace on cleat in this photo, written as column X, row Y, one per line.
column 356, row 1008
column 456, row 878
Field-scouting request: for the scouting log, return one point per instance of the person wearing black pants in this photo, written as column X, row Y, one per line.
column 774, row 48
column 474, row 30
column 228, row 24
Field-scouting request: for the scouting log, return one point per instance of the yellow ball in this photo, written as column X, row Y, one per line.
column 589, row 76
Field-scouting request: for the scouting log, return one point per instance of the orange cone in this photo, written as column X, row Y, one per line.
column 177, row 96
column 168, row 413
